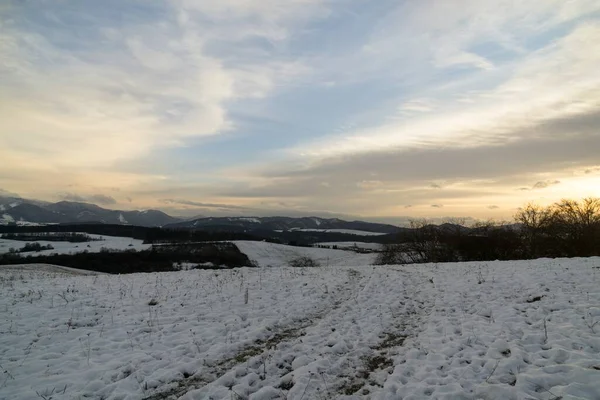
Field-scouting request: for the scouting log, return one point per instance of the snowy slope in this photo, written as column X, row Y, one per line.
column 94, row 246
column 50, row 270
column 347, row 231
column 276, row 255
column 6, row 219
column 495, row 330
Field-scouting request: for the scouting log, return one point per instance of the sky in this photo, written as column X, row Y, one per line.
column 373, row 109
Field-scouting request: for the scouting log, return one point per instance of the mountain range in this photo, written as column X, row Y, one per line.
column 32, row 212
column 283, row 224
column 15, row 210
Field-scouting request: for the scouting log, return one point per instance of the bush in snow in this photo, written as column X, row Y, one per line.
column 34, row 247
column 304, row 262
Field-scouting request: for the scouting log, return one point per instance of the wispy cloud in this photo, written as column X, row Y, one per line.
column 496, row 113
column 544, row 184
column 94, row 198
column 202, row 205
column 102, row 199
column 7, row 193
column 142, row 86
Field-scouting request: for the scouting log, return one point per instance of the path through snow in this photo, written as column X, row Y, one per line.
column 498, row 330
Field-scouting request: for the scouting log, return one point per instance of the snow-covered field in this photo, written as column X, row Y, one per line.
column 44, row 268
column 347, row 231
column 494, row 330
column 276, row 255
column 94, row 246
column 352, row 245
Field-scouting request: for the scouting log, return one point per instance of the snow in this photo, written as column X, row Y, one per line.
column 249, row 219
column 493, row 330
column 22, row 222
column 122, row 219
column 317, row 221
column 351, row 245
column 266, row 254
column 347, row 231
column 48, row 268
column 6, row 218
column 95, row 246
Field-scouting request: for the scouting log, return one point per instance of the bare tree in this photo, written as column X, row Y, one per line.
column 576, row 226
column 535, row 222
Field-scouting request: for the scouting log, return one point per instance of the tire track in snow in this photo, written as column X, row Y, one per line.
column 214, row 371
column 407, row 321
column 345, row 350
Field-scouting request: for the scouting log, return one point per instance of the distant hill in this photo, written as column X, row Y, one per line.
column 24, row 211
column 299, row 230
column 15, row 210
column 315, row 224
column 32, row 212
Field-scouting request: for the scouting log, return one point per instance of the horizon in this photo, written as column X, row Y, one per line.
column 400, row 220
column 379, row 111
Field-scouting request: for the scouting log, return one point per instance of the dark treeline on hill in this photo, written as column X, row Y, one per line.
column 158, row 259
column 72, row 237
column 308, row 238
column 567, row 228
column 147, row 234
column 163, row 235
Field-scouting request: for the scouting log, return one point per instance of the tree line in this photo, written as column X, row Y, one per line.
column 158, row 258
column 568, row 228
column 149, row 235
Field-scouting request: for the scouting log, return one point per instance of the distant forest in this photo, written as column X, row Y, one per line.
column 568, row 228
column 157, row 259
column 148, row 235
column 161, row 235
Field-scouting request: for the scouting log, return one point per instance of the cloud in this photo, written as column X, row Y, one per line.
column 102, row 199
column 437, row 206
column 435, row 186
column 369, row 185
column 269, row 19
column 495, row 113
column 474, row 176
column 565, row 143
column 94, row 198
column 72, row 197
column 448, row 35
column 417, row 106
column 544, row 184
column 128, row 89
column 6, row 193
column 493, row 207
column 202, row 205
column 591, row 170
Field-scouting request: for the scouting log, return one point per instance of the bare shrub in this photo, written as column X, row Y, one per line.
column 304, row 262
